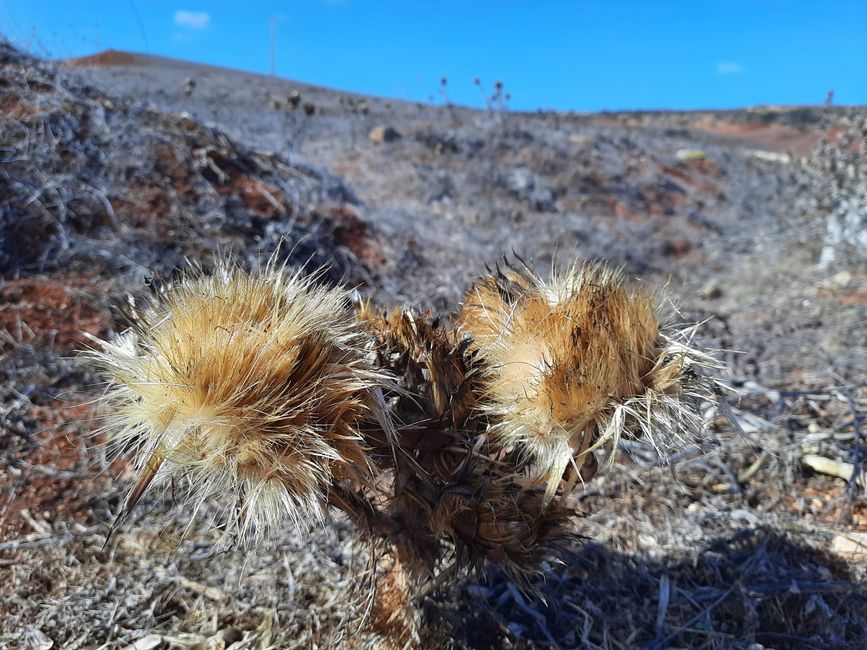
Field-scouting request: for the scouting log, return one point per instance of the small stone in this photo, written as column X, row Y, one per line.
column 842, row 279
column 380, row 134
column 148, row 642
column 711, row 292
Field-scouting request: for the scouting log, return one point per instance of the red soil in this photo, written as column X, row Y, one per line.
column 108, row 57
column 50, row 313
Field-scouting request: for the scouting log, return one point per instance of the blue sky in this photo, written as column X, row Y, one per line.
column 562, row 55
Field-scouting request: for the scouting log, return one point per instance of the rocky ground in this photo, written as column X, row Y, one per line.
column 116, row 169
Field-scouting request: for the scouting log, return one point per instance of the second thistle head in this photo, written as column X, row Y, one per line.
column 577, row 361
column 250, row 385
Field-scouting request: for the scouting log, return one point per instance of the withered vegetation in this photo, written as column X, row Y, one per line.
column 736, row 543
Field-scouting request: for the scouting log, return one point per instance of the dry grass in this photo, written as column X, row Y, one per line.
column 695, row 559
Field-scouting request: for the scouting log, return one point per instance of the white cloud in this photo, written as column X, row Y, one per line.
column 192, row 19
column 729, row 67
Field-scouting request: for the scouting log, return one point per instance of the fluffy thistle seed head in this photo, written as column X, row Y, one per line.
column 577, row 362
column 250, row 385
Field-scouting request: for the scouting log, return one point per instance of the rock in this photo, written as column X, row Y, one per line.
column 309, row 108
column 770, row 156
column 711, row 291
column 842, row 279
column 853, row 546
column 380, row 134
column 147, row 642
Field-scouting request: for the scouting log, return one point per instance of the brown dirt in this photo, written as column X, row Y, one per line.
column 108, row 57
column 53, row 313
column 55, row 478
column 776, row 137
column 353, row 233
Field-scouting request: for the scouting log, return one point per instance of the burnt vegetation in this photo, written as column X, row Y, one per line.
column 751, row 217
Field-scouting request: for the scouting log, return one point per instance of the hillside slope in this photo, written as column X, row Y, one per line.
column 117, row 169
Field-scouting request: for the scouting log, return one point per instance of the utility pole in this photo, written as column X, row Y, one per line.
column 272, row 24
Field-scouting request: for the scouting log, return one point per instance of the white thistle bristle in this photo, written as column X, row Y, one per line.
column 250, row 385
column 576, row 362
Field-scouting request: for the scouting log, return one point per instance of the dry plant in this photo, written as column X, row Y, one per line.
column 577, row 362
column 245, row 385
column 452, row 445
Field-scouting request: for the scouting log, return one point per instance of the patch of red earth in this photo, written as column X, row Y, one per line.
column 108, row 57
column 844, row 139
column 704, row 166
column 54, row 480
column 620, row 209
column 49, row 313
column 350, row 231
column 694, row 173
column 13, row 107
column 144, row 202
column 835, row 134
column 257, row 196
column 770, row 136
column 677, row 173
column 230, row 178
column 149, row 202
column 14, row 95
column 854, row 297
column 153, row 204
column 652, row 202
column 189, row 125
column 177, row 169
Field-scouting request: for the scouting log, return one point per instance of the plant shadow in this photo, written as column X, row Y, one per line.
column 754, row 588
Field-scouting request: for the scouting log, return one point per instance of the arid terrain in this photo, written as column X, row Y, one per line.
column 117, row 169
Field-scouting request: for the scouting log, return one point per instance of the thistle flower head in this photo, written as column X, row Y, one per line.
column 250, row 385
column 577, row 361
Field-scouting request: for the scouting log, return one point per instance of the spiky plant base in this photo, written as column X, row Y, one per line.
column 460, row 494
column 457, row 444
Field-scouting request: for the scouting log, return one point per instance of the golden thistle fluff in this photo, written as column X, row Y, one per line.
column 575, row 362
column 248, row 385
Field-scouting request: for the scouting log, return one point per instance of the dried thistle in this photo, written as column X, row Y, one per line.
column 575, row 363
column 462, row 497
column 246, row 385
column 448, row 442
